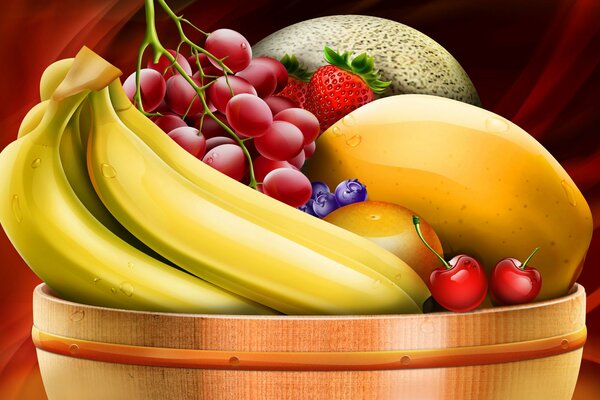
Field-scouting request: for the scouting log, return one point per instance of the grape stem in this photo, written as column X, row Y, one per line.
column 151, row 40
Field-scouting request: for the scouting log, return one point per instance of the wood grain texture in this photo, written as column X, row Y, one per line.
column 68, row 378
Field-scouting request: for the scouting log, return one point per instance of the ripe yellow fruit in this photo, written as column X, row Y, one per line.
column 390, row 226
column 486, row 186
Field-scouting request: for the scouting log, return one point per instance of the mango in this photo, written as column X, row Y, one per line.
column 486, row 186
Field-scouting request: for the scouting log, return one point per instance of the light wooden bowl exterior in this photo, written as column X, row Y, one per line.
column 67, row 377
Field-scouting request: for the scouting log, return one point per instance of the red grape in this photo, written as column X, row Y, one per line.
column 219, row 92
column 210, row 127
column 304, row 120
column 280, row 142
column 231, row 45
column 281, row 74
column 260, row 75
column 169, row 122
column 180, row 94
column 249, row 115
column 279, row 103
column 298, row 160
column 228, row 159
column 165, row 68
column 262, row 166
column 190, row 139
column 152, row 88
column 202, row 59
column 287, row 185
column 309, row 149
column 213, row 142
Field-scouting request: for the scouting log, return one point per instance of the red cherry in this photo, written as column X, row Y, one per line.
column 460, row 287
column 514, row 283
column 461, row 284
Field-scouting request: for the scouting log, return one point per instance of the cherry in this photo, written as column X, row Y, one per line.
column 514, row 283
column 460, row 284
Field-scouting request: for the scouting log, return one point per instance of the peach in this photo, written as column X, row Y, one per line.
column 390, row 226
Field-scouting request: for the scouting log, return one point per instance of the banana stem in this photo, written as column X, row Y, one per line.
column 529, row 258
column 151, row 39
column 417, row 223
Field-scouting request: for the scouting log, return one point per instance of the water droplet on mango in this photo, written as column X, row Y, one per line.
column 36, row 163
column 354, row 140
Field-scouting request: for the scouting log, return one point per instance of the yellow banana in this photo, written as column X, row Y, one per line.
column 487, row 187
column 51, row 78
column 53, row 75
column 32, row 118
column 68, row 248
column 201, row 231
column 307, row 231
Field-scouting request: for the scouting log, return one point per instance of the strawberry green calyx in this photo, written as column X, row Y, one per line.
column 294, row 68
column 362, row 65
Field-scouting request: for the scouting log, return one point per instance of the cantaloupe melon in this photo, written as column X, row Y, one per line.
column 413, row 62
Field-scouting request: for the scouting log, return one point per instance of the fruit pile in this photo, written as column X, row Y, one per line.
column 228, row 115
column 171, row 233
column 254, row 119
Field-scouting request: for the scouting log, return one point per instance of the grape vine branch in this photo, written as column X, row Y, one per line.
column 151, row 40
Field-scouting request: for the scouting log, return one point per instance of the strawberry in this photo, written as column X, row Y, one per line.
column 298, row 78
column 342, row 86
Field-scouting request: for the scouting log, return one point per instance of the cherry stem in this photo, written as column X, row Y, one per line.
column 417, row 223
column 529, row 258
column 151, row 40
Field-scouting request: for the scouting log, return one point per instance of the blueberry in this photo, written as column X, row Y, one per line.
column 350, row 191
column 318, row 188
column 308, row 207
column 324, row 204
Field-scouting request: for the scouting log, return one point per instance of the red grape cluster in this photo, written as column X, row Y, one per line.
column 237, row 116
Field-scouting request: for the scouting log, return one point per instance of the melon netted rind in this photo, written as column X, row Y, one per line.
column 412, row 61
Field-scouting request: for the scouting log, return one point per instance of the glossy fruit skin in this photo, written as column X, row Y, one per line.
column 164, row 66
column 303, row 119
column 509, row 284
column 219, row 93
column 231, row 44
column 287, row 185
column 318, row 188
column 460, row 288
column 281, row 141
column 261, row 75
column 324, row 204
column 279, row 103
column 248, row 114
column 152, row 88
column 350, row 191
column 181, row 97
column 169, row 122
column 228, row 159
column 190, row 139
column 281, row 74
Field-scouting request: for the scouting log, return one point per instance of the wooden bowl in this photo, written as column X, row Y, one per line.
column 521, row 352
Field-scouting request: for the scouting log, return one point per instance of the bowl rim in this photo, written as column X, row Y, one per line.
column 44, row 291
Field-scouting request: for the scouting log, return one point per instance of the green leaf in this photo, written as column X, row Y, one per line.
column 362, row 65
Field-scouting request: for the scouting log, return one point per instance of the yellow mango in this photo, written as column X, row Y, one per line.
column 487, row 187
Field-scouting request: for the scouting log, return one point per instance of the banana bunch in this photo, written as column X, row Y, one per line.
column 108, row 210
